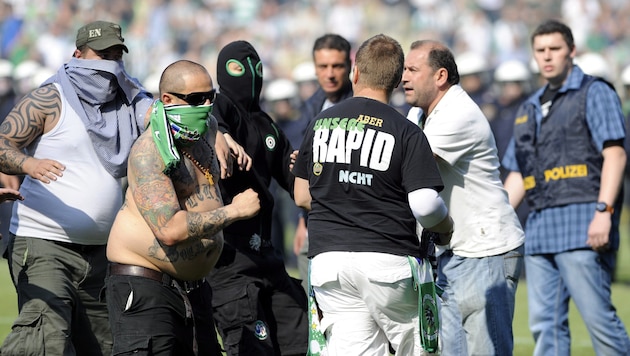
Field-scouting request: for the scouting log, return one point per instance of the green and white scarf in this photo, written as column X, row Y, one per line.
column 428, row 313
column 184, row 124
column 316, row 335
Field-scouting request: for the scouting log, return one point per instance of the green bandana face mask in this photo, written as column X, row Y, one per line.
column 183, row 124
column 188, row 123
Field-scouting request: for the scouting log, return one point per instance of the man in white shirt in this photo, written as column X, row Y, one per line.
column 480, row 267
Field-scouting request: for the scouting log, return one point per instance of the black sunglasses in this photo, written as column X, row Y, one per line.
column 198, row 98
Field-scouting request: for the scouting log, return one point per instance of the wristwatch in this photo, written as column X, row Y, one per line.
column 603, row 207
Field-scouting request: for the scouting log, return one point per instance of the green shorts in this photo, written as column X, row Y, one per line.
column 59, row 287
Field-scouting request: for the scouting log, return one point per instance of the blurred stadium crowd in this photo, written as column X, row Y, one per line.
column 490, row 39
column 37, row 36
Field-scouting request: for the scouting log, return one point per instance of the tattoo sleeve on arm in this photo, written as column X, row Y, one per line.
column 152, row 192
column 207, row 223
column 26, row 122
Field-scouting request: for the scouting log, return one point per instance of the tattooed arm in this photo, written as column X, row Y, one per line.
column 158, row 198
column 35, row 114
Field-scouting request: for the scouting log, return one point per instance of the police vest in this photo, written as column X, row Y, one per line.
column 560, row 164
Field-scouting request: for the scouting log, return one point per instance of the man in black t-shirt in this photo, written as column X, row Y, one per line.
column 367, row 174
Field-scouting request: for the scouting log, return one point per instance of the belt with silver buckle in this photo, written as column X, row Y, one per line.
column 139, row 271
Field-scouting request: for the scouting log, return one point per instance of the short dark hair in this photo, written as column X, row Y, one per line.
column 333, row 41
column 440, row 57
column 554, row 26
column 380, row 60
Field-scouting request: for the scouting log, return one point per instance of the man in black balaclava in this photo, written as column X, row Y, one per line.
column 258, row 307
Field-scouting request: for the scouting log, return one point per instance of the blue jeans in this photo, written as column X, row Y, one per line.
column 478, row 302
column 585, row 276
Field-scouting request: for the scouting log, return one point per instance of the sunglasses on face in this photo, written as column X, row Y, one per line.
column 198, row 98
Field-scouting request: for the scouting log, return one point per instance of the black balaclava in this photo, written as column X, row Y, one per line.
column 242, row 88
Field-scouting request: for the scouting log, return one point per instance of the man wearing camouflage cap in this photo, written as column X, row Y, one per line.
column 70, row 138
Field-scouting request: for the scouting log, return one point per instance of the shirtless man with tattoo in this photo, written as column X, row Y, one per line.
column 167, row 236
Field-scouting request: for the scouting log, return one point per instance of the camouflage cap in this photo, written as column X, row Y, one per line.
column 100, row 35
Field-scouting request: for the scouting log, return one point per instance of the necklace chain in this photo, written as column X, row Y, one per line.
column 206, row 171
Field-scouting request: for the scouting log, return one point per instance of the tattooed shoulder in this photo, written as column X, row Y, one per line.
column 32, row 116
column 47, row 100
column 143, row 158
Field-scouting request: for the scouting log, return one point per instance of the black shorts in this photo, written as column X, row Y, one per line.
column 150, row 317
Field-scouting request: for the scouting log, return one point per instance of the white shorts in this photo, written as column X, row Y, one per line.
column 368, row 301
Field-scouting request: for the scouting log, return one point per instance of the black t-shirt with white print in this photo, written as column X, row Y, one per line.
column 361, row 158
